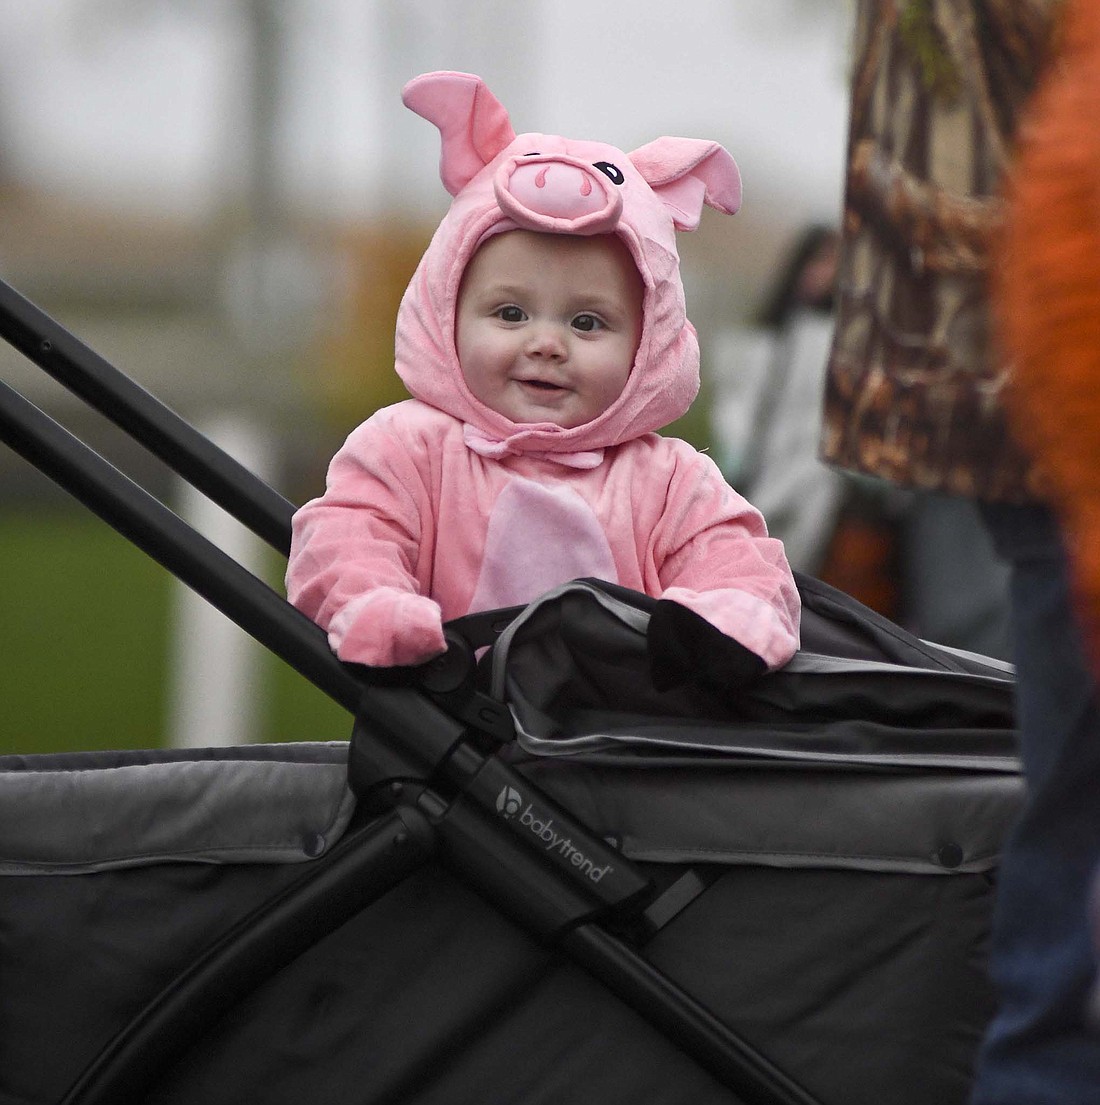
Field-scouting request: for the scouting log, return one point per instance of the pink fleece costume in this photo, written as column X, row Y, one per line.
column 439, row 506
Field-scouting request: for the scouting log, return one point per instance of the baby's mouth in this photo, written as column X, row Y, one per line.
column 538, row 390
column 542, row 385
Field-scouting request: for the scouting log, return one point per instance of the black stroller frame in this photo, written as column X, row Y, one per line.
column 423, row 757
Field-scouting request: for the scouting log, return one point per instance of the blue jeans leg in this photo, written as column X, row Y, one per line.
column 1038, row 1050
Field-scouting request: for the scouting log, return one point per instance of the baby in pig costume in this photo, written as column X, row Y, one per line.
column 544, row 339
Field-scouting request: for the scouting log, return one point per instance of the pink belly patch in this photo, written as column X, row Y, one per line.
column 538, row 537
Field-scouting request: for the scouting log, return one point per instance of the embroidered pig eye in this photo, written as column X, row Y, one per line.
column 533, row 153
column 612, row 172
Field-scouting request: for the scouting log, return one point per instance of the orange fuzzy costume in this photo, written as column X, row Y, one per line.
column 1047, row 294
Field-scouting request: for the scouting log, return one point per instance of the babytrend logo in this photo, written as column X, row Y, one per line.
column 509, row 801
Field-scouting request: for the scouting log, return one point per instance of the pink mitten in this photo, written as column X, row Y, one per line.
column 388, row 628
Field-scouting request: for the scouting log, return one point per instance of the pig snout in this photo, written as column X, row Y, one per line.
column 559, row 193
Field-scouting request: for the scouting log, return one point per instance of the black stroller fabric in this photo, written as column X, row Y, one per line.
column 824, row 846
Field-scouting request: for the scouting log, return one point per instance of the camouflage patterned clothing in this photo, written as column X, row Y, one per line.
column 915, row 382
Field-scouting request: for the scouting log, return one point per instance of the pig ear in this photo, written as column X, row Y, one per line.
column 472, row 123
column 688, row 172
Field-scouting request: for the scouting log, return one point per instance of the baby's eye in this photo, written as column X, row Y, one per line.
column 586, row 323
column 511, row 313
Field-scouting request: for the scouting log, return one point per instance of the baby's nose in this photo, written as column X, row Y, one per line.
column 546, row 340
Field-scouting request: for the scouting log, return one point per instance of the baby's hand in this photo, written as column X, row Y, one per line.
column 684, row 647
column 388, row 628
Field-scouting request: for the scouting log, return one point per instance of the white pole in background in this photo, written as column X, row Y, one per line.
column 215, row 668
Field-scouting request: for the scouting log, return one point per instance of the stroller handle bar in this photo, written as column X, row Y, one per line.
column 155, row 529
column 145, row 418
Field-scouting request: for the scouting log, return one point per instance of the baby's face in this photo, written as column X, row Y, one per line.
column 547, row 325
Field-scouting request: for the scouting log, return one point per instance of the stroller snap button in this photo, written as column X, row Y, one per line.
column 950, row 855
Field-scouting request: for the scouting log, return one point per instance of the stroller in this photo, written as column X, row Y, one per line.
column 527, row 877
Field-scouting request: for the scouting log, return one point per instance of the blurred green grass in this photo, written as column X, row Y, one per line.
column 84, row 644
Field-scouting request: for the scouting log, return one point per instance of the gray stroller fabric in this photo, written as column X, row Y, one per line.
column 88, row 812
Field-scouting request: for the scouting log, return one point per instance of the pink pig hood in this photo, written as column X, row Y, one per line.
column 545, row 183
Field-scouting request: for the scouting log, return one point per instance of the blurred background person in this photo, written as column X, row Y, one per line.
column 767, row 380
column 916, row 393
column 766, row 385
column 1048, row 299
column 914, row 386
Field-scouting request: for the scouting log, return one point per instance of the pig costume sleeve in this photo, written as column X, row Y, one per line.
column 439, row 506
